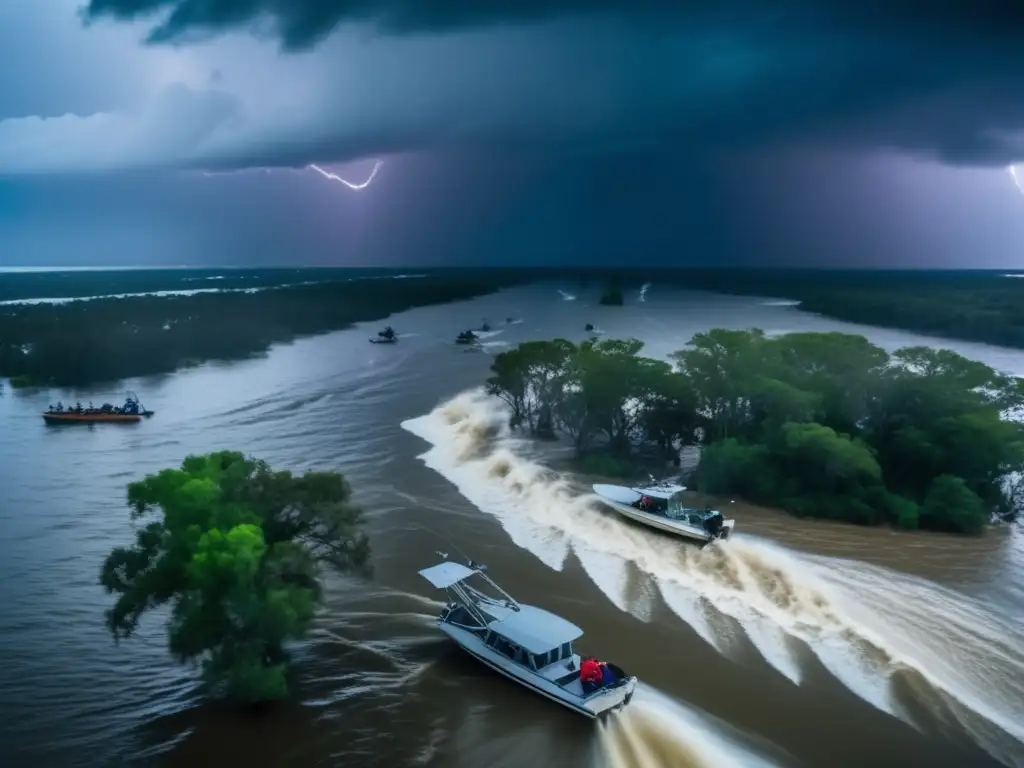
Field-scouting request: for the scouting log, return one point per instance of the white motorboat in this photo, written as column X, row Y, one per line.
column 524, row 643
column 660, row 505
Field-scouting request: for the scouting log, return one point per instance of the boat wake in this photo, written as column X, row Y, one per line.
column 905, row 645
column 566, row 296
column 655, row 731
column 643, row 291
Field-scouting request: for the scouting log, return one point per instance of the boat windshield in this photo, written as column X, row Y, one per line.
column 677, row 510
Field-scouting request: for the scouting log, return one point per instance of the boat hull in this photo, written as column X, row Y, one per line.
column 91, row 418
column 383, row 341
column 593, row 707
column 621, row 499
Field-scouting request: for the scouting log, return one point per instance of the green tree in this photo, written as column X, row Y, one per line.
column 612, row 296
column 236, row 551
column 721, row 365
column 670, row 417
column 951, row 506
column 820, row 424
column 616, row 385
column 840, row 369
column 825, row 474
column 531, row 378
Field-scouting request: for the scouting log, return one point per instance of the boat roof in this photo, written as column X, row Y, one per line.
column 626, row 495
column 535, row 630
column 661, row 491
column 447, row 573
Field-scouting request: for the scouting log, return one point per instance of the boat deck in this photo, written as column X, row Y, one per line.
column 564, row 672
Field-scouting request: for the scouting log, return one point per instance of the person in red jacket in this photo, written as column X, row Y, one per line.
column 591, row 674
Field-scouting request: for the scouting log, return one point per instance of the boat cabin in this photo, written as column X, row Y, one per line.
column 525, row 634
column 673, row 506
column 533, row 637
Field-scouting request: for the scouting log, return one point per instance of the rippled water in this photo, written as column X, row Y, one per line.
column 796, row 643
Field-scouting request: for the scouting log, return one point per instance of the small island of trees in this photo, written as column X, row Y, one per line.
column 235, row 549
column 612, row 297
column 819, row 424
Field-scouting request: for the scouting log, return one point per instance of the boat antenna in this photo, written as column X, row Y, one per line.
column 444, row 555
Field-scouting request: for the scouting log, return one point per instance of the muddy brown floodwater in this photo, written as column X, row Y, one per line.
column 796, row 643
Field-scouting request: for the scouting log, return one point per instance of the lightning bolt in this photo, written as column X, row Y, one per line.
column 1012, row 170
column 334, row 177
column 311, row 167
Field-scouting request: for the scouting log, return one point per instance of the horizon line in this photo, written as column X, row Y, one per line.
column 535, row 267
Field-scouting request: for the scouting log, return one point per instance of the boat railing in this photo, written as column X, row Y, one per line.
column 511, row 601
column 476, row 602
column 466, row 600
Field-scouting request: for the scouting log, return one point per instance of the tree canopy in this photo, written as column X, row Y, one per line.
column 235, row 549
column 820, row 424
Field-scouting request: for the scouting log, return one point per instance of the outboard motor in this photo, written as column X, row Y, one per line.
column 713, row 524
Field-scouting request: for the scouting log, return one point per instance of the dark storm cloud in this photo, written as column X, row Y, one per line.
column 939, row 78
column 707, row 76
column 301, row 23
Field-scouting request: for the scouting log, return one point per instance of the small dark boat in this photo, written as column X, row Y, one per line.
column 589, row 327
column 466, row 337
column 485, row 327
column 130, row 413
column 387, row 336
column 91, row 417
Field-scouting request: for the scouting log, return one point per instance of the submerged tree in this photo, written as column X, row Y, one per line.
column 237, row 554
column 612, row 296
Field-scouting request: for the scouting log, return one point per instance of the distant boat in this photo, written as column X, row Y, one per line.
column 467, row 337
column 664, row 510
column 387, row 336
column 90, row 417
column 131, row 412
column 526, row 644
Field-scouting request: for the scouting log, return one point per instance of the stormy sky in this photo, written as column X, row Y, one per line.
column 697, row 132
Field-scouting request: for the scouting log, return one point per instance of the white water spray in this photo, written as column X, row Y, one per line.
column 883, row 634
column 655, row 731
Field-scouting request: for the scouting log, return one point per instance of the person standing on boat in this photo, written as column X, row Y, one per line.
column 591, row 675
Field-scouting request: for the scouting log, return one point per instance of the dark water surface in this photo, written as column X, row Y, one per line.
column 798, row 643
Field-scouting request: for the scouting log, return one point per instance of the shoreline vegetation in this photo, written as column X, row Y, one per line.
column 970, row 305
column 240, row 313
column 106, row 339
column 822, row 425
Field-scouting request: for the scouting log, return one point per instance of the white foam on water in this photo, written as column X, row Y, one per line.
column 780, row 303
column 877, row 631
column 655, row 731
column 566, row 296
